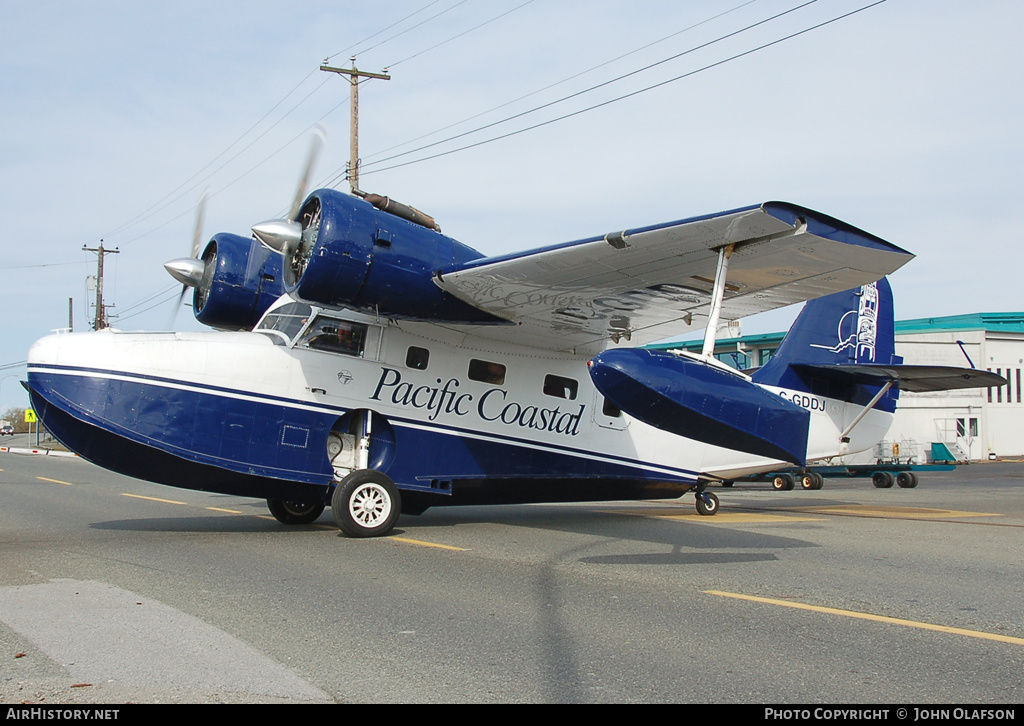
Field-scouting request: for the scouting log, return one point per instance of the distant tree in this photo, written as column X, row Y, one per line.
column 17, row 418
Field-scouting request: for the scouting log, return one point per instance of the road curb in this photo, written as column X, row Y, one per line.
column 41, row 452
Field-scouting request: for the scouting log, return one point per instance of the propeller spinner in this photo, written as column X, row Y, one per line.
column 284, row 236
column 189, row 271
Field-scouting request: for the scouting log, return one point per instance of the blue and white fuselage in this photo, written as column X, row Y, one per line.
column 402, row 370
column 252, row 413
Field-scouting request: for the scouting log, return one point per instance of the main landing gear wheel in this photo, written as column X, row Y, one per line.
column 292, row 513
column 707, row 504
column 812, row 480
column 782, row 482
column 366, row 503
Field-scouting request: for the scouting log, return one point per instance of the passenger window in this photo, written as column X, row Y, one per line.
column 610, row 410
column 417, row 358
column 560, row 387
column 336, row 336
column 486, row 372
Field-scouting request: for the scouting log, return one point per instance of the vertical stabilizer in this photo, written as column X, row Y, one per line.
column 847, row 328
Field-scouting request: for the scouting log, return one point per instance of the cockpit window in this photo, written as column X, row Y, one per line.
column 288, row 319
column 336, row 336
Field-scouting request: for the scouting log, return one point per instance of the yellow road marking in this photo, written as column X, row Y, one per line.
column 897, row 512
column 226, row 511
column 723, row 517
column 868, row 616
column 735, row 517
column 427, row 544
column 55, row 481
column 154, row 499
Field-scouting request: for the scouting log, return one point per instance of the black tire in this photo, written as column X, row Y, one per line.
column 727, row 483
column 366, row 503
column 808, row 481
column 882, row 480
column 707, row 508
column 782, row 482
column 906, row 480
column 293, row 513
column 819, row 480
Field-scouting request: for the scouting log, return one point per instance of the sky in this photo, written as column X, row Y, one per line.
column 903, row 119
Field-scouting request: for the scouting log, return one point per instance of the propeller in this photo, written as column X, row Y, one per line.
column 285, row 235
column 189, row 271
column 282, row 235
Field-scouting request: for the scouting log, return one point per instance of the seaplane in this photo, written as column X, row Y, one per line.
column 362, row 360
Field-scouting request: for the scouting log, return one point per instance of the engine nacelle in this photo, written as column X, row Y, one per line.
column 356, row 256
column 240, row 280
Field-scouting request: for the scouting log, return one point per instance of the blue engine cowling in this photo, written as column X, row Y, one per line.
column 356, row 256
column 241, row 279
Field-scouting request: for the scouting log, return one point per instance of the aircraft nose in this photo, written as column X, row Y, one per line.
column 44, row 350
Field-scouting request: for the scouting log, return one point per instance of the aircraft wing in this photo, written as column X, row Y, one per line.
column 646, row 284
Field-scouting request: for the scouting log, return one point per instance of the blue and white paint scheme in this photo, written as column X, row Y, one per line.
column 397, row 369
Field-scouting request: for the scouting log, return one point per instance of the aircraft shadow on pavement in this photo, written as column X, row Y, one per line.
column 689, row 543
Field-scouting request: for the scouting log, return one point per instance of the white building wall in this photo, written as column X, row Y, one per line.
column 981, row 423
column 1005, row 406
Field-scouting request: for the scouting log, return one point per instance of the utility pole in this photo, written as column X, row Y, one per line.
column 353, row 76
column 101, row 312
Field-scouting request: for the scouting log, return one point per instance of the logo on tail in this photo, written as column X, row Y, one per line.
column 860, row 332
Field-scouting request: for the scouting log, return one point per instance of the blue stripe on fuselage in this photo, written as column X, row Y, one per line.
column 272, row 436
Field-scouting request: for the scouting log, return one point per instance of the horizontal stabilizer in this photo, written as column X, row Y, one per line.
column 691, row 398
column 916, row 379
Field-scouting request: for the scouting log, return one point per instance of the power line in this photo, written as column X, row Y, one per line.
column 170, row 197
column 45, row 264
column 146, row 300
column 619, row 98
column 592, row 88
column 459, row 35
column 228, row 161
column 565, row 80
column 407, row 30
column 163, row 301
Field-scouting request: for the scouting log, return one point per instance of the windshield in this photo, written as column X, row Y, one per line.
column 287, row 320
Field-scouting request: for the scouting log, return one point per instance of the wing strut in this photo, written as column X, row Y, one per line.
column 717, row 296
column 844, row 438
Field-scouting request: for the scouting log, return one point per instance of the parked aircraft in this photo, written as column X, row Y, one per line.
column 365, row 361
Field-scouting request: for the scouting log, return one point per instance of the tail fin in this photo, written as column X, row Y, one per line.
column 848, row 328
